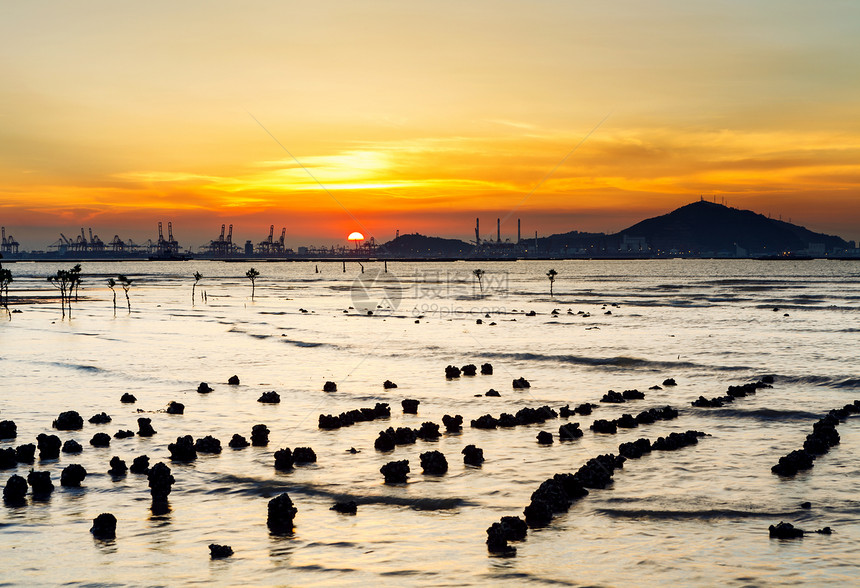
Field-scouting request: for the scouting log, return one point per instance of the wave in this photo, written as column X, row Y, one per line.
column 612, row 362
column 298, row 343
column 268, row 487
column 79, row 367
column 765, row 414
column 704, row 515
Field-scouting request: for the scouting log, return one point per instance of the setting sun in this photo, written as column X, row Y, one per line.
column 356, row 236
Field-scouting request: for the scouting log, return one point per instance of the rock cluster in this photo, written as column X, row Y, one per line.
column 49, row 446
column 73, row 475
column 219, row 551
column 104, row 526
column 472, row 455
column 100, row 440
column 434, row 462
column 259, row 435
column 627, row 421
column 524, row 416
column 174, row 407
column 15, row 490
column 205, row 388
column 99, row 419
column 281, row 513
column 452, row 424
column 823, row 437
column 614, row 397
column 208, row 444
column 329, row 387
column 144, row 427
column 8, row 430
column 410, row 405
column 72, row 446
column 183, row 449
column 732, row 393
column 349, row 418
column 521, row 383
column 238, row 441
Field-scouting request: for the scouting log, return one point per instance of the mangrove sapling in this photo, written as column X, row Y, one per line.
column 197, row 276
column 125, row 282
column 252, row 274
column 479, row 274
column 551, row 274
column 112, row 284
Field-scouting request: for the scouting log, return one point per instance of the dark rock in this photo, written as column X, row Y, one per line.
column 492, row 392
column 382, row 410
column 329, row 387
column 219, row 551
column 8, row 458
column 69, row 421
column 388, row 385
column 233, row 381
column 238, row 441
column 160, row 481
column 604, row 426
column 40, row 482
column 633, row 395
column 117, row 467
column 205, row 388
column 259, row 435
column 174, row 407
column 404, row 436
column 123, row 434
column 508, row 420
column 584, row 409
column 669, row 382
column 304, row 455
column 452, row 423
column 565, row 411
column 281, row 514
column 806, row 505
column 345, row 507
column 824, row 531
column 569, row 431
column 479, row 322
column 531, row 313
column 676, row 441
column 385, row 441
column 284, row 459
column 484, row 422
column 410, row 406
column 514, row 528
column 72, row 446
column 8, row 430
column 655, row 387
column 329, row 422
column 473, row 455
column 183, row 449
column 626, row 421
column 270, row 398
column 452, row 372
column 100, row 440
column 49, row 446
column 25, row 453
column 785, row 531
column 613, row 397
column 469, row 370
column 497, row 542
column 792, row 463
column 208, row 444
column 544, row 438
column 636, row 449
column 428, row 431
column 486, row 369
column 538, row 514
column 15, row 489
column 521, row 383
column 434, row 462
column 395, row 471
column 104, row 526
column 144, row 427
column 767, row 379
column 140, row 465
column 73, row 475
column 128, row 398
column 100, row 419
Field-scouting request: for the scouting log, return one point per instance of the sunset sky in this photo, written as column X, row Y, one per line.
column 420, row 116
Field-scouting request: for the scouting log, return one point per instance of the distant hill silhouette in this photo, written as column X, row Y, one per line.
column 700, row 228
column 416, row 245
column 709, row 227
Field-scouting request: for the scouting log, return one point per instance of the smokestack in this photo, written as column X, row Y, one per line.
column 518, row 231
column 477, row 231
column 498, row 230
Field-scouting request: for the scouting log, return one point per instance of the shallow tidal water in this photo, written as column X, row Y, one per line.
column 698, row 516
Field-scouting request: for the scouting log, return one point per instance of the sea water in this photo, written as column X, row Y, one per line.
column 698, row 516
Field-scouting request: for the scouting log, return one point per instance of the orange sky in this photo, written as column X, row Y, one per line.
column 421, row 116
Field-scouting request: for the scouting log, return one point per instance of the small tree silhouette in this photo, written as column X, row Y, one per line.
column 551, row 274
column 479, row 274
column 5, row 280
column 74, row 282
column 112, row 284
column 252, row 274
column 64, row 281
column 197, row 276
column 126, row 284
